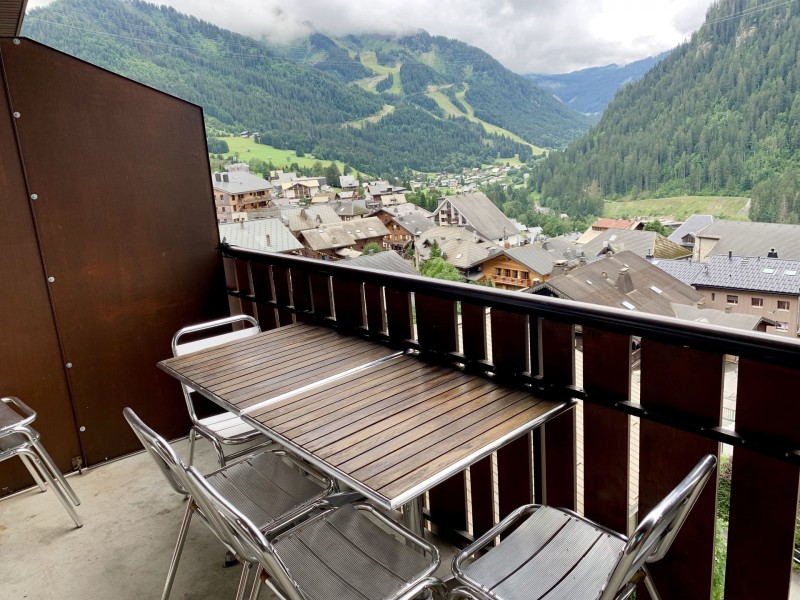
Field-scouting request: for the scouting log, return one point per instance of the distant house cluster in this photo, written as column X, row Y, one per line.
column 736, row 274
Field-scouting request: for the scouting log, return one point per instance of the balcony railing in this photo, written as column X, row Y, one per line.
column 531, row 340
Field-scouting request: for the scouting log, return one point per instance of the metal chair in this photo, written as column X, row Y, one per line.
column 347, row 553
column 223, row 429
column 269, row 487
column 557, row 554
column 17, row 438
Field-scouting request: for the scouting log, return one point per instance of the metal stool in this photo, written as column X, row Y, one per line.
column 17, row 438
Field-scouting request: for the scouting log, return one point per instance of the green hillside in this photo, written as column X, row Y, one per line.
column 719, row 116
column 302, row 104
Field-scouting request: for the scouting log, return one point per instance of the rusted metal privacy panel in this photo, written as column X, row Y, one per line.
column 127, row 228
column 688, row 382
column 763, row 490
column 31, row 362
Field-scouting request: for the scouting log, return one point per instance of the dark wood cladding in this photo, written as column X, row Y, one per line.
column 764, row 491
column 473, row 324
column 347, row 303
column 606, row 433
column 436, row 323
column 32, row 368
column 127, row 228
column 667, row 454
column 509, row 342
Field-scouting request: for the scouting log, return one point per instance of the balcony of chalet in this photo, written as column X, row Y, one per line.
column 111, row 245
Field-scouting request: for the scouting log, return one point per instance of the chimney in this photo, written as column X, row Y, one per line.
column 772, row 253
column 269, row 240
column 624, row 282
column 225, row 177
column 649, row 255
column 730, row 254
column 559, row 267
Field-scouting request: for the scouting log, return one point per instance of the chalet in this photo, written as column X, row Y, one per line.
column 238, row 192
column 269, row 235
column 348, row 182
column 518, row 268
column 752, row 285
column 686, row 233
column 300, row 188
column 624, row 280
column 404, row 228
column 300, row 217
column 347, row 211
column 643, row 243
column 464, row 249
column 743, row 238
column 475, row 212
column 331, row 239
column 604, row 224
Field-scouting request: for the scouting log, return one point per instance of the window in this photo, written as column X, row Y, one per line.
column 781, row 326
column 713, row 296
column 783, row 305
column 508, row 272
column 498, row 271
column 526, row 275
column 732, row 299
column 515, row 274
column 756, row 302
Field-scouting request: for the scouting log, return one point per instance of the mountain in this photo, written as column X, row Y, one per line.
column 590, row 90
column 311, row 96
column 719, row 115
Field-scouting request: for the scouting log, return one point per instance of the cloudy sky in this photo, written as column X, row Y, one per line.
column 539, row 36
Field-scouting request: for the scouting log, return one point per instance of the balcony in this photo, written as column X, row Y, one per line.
column 100, row 285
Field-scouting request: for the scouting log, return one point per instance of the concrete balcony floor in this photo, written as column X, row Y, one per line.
column 131, row 520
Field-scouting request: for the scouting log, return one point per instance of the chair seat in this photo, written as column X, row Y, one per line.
column 250, row 482
column 13, row 441
column 551, row 555
column 344, row 556
column 226, row 426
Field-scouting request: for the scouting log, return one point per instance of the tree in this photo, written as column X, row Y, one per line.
column 372, row 248
column 436, row 252
column 332, row 175
column 438, row 268
column 657, row 227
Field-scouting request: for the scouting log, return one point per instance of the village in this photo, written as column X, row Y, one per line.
column 736, row 274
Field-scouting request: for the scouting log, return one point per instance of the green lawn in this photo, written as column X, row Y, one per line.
column 246, row 149
column 680, row 207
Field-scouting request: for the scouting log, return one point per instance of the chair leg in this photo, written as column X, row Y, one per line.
column 650, row 584
column 192, row 438
column 45, row 473
column 220, row 453
column 176, row 554
column 56, row 472
column 34, row 473
column 246, row 567
column 257, row 584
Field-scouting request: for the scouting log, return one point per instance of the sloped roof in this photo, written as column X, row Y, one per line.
column 614, row 223
column 413, row 222
column 744, row 238
column 750, row 273
column 563, row 246
column 684, row 270
column 719, row 317
column 405, row 209
column 269, row 235
column 308, row 217
column 364, row 229
column 11, row 17
column 464, row 254
column 331, row 237
column 534, row 257
column 239, row 182
column 691, row 225
column 384, row 261
column 440, row 233
column 623, row 280
column 349, row 209
column 482, row 215
column 347, row 181
column 639, row 242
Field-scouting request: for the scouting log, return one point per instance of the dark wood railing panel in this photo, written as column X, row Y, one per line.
column 473, row 331
column 447, row 503
column 764, row 491
column 686, row 382
column 437, row 327
column 606, row 432
column 347, row 303
column 515, row 475
column 557, row 351
column 301, row 291
column 398, row 315
column 480, row 475
column 229, row 267
column 509, row 342
column 321, row 294
column 261, row 282
column 280, row 278
column 373, row 299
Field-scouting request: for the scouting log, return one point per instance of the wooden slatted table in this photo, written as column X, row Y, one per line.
column 386, row 423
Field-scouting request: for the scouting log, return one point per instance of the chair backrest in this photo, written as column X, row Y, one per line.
column 238, row 532
column 158, row 448
column 655, row 533
column 180, row 348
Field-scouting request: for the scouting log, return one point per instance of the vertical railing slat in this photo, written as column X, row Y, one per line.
column 436, row 324
column 558, row 368
column 764, row 491
column 398, row 316
column 473, row 331
column 688, row 382
column 606, row 435
column 262, row 290
column 374, row 303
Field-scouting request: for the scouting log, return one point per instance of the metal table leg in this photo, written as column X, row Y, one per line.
column 413, row 518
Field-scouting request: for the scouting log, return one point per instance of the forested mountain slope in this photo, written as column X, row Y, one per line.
column 247, row 85
column 721, row 114
column 590, row 90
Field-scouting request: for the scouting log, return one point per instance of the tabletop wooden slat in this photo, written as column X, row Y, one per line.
column 391, row 426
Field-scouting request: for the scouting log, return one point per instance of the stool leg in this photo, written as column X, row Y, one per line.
column 34, row 473
column 44, row 472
